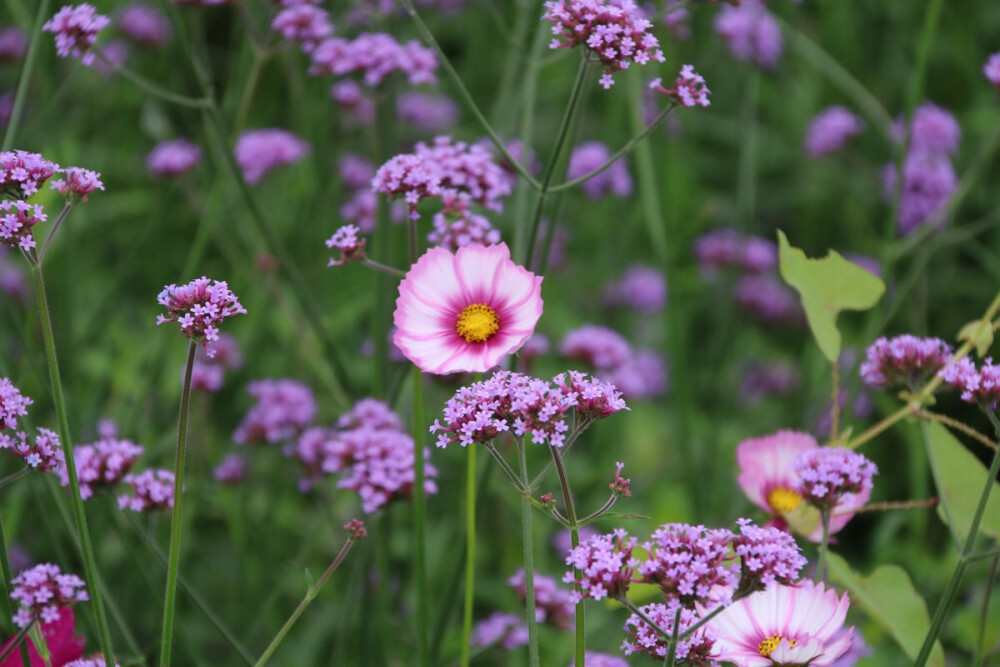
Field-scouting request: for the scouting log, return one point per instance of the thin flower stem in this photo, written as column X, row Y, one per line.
column 668, row 661
column 41, row 646
column 16, row 476
column 8, row 577
column 958, row 426
column 420, row 518
column 76, row 502
column 899, row 505
column 824, row 545
column 388, row 270
column 25, row 78
column 52, row 231
column 574, row 532
column 311, row 593
column 507, row 470
column 152, row 88
column 649, row 183
column 645, row 619
column 835, row 402
column 173, row 564
column 984, row 612
column 249, row 89
column 622, row 152
column 470, row 553
column 937, row 623
column 604, row 508
column 554, row 158
column 382, row 146
column 18, row 641
column 974, row 558
column 528, row 540
column 701, row 621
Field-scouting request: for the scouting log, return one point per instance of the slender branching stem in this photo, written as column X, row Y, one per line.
column 18, row 641
column 528, row 539
column 470, row 552
column 824, row 544
column 16, row 476
column 8, row 576
column 984, row 612
column 574, row 531
column 152, row 88
column 388, row 270
column 420, row 519
column 25, row 78
column 52, row 231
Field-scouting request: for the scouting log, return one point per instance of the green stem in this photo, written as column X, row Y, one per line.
column 649, row 188
column 79, row 514
column 152, row 88
column 173, row 565
column 937, row 623
column 824, row 545
column 383, row 286
column 574, row 532
column 309, row 596
column 835, row 401
column 19, row 641
column 554, row 158
column 984, row 612
column 388, row 270
column 420, row 517
column 746, row 184
column 16, row 476
column 52, row 232
column 470, row 552
column 25, row 78
column 8, row 576
column 528, row 540
column 668, row 661
column 41, row 646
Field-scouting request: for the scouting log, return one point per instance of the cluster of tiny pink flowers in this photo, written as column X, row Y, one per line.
column 827, row 474
column 641, row 288
column 689, row 89
column 144, row 24
column 461, row 229
column 615, row 32
column 304, row 23
column 152, row 489
column 620, row 485
column 690, row 564
column 592, row 398
column 231, row 470
column 345, row 240
column 751, row 32
column 697, row 649
column 591, row 155
column 76, row 28
column 978, row 385
column 596, row 345
column 78, row 184
column 13, row 43
column 467, row 169
column 767, row 556
column 259, row 151
column 208, row 372
column 16, row 221
column 409, row 176
column 42, row 453
column 905, row 361
column 13, row 404
column 173, row 158
column 358, row 107
column 635, row 374
column 24, row 171
column 991, row 70
column 42, row 591
column 283, row 409
column 426, row 112
column 102, row 463
column 500, row 627
column 604, row 564
column 728, row 248
column 553, row 605
column 375, row 56
column 198, row 307
column 830, row 129
column 370, row 413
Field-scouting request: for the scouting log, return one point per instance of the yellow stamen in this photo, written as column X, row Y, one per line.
column 783, row 500
column 477, row 323
column 768, row 646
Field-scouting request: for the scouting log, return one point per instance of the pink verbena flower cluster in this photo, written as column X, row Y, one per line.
column 283, row 409
column 690, row 564
column 635, row 373
column 689, row 89
column 728, row 248
column 259, row 151
column 173, row 158
column 641, row 288
column 458, row 226
column 426, row 112
column 506, row 629
column 828, row 474
column 42, row 453
column 152, row 489
column 16, row 221
column 102, row 463
column 616, row 33
column 208, row 373
column 77, row 184
column 977, row 385
column 13, row 404
column 231, row 470
column 24, row 171
column 198, row 307
column 591, row 155
column 144, row 24
column 596, row 345
column 553, row 605
column 351, row 247
column 469, row 169
column 605, row 565
column 991, row 70
column 303, row 23
column 42, row 591
column 370, row 413
column 830, row 129
column 375, row 56
column 76, row 28
column 903, row 361
column 13, row 43
column 698, row 649
column 409, row 176
column 751, row 32
column 767, row 556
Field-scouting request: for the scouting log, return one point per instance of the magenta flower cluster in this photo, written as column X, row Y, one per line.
column 730, row 249
column 690, row 564
column 767, row 556
column 616, row 33
column 24, row 171
column 375, row 56
column 410, row 177
column 303, row 23
column 283, row 409
column 152, row 489
column 598, row 346
column 16, row 221
column 13, row 43
column 991, row 70
column 42, row 591
column 102, row 463
column 208, row 373
column 751, row 32
column 524, row 406
column 697, row 649
column 500, row 627
column 641, row 288
column 828, row 474
column 553, row 605
column 605, row 565
column 144, row 24
column 173, row 158
column 259, row 151
column 591, row 155
column 903, row 361
column 635, row 373
column 199, row 307
column 231, row 470
column 43, row 452
column 76, row 28
column 977, row 385
column 349, row 244
column 689, row 88
column 459, row 227
column 830, row 129
column 77, row 184
column 13, row 404
column 426, row 112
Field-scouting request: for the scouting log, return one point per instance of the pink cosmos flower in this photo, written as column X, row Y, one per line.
column 784, row 625
column 465, row 312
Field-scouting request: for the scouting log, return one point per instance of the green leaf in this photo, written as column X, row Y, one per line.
column 960, row 479
column 979, row 333
column 827, row 286
column 888, row 597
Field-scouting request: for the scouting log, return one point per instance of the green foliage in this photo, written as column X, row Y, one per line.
column 979, row 333
column 827, row 286
column 960, row 484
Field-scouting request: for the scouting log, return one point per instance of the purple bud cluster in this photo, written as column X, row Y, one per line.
column 374, row 56
column 826, row 475
column 636, row 374
column 283, row 409
column 24, row 171
column 977, row 385
column 830, row 129
column 751, row 32
column 152, row 489
column 350, row 246
column 553, row 605
column 603, row 566
column 76, row 28
column 259, row 151
column 173, row 158
column 904, row 361
column 102, row 463
column 42, row 591
column 689, row 89
column 43, row 452
column 591, row 155
column 198, row 307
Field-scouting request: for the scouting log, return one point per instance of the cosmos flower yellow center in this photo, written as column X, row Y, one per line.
column 767, row 647
column 783, row 500
column 477, row 323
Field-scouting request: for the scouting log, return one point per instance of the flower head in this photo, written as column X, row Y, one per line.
column 829, row 474
column 599, row 346
column 375, row 56
column 465, row 312
column 24, row 171
column 689, row 89
column 553, row 605
column 103, row 463
column 766, row 473
column 991, row 70
column 784, row 625
column 462, row 227
column 978, row 385
column 345, row 240
column 593, row 398
column 42, row 591
column 78, row 184
column 43, row 452
column 587, row 157
column 198, row 307
column 13, row 43
column 259, row 151
column 603, row 566
column 426, row 112
column 144, row 24
column 698, row 649
column 503, row 628
column 13, row 404
column 303, row 23
column 76, row 28
column 231, row 470
column 16, row 220
column 767, row 556
column 903, row 361
column 152, row 489
column 752, row 33
column 830, row 129
column 283, row 409
column 690, row 564
column 173, row 158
